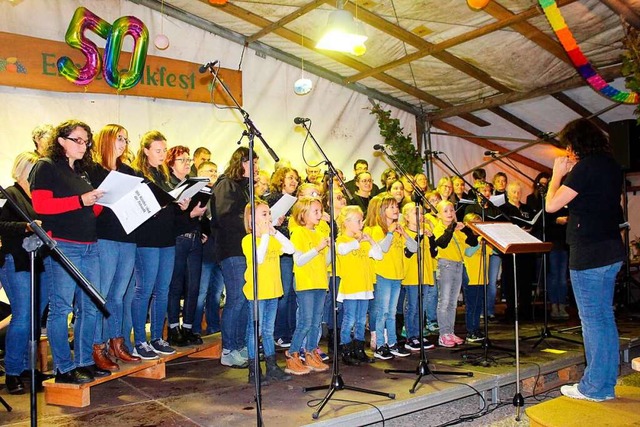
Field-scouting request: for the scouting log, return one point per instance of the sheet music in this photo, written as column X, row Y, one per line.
column 129, row 198
column 188, row 188
column 2, row 202
column 533, row 221
column 506, row 234
column 498, row 200
column 281, row 207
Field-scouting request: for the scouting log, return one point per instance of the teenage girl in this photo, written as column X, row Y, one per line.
column 270, row 245
column 310, row 261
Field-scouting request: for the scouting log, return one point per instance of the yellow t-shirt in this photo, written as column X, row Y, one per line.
column 411, row 264
column 355, row 270
column 473, row 264
column 312, row 275
column 391, row 266
column 455, row 249
column 269, row 281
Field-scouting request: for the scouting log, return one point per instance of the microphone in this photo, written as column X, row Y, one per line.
column 300, row 120
column 205, row 67
column 432, row 153
column 378, row 147
column 547, row 136
column 491, row 153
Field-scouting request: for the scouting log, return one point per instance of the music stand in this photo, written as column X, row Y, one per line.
column 510, row 239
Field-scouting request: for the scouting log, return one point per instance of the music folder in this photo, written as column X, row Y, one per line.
column 509, row 238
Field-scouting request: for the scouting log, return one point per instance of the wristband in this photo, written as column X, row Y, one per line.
column 81, row 202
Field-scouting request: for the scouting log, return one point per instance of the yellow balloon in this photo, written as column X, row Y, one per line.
column 477, row 4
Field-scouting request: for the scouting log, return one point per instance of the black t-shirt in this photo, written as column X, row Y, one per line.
column 63, row 216
column 593, row 232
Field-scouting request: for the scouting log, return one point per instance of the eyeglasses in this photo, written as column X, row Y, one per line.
column 80, row 141
column 185, row 160
column 121, row 138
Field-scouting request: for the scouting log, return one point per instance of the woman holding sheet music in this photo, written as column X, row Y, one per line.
column 188, row 259
column 117, row 252
column 592, row 191
column 63, row 198
column 155, row 254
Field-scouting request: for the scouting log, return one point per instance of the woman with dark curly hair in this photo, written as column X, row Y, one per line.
column 230, row 196
column 63, row 198
column 592, row 190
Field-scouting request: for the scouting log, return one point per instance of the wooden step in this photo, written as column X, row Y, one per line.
column 79, row 395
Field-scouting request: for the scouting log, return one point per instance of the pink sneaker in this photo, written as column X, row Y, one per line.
column 457, row 339
column 446, row 340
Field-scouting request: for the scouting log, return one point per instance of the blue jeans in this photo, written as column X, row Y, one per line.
column 154, row 267
column 593, row 290
column 373, row 309
column 401, row 301
column 116, row 269
column 62, row 291
column 286, row 317
column 388, row 291
column 185, row 279
column 495, row 261
column 266, row 320
column 474, row 304
column 411, row 317
column 310, row 305
column 355, row 316
column 450, row 276
column 17, row 285
column 234, row 315
column 211, row 287
column 431, row 304
column 557, row 276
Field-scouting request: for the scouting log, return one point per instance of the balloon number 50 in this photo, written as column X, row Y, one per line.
column 83, row 19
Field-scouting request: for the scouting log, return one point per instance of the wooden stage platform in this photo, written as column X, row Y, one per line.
column 201, row 392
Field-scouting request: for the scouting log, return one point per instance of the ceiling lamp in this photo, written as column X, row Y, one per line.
column 343, row 33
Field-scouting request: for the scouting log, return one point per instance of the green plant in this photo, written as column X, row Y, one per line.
column 631, row 61
column 401, row 146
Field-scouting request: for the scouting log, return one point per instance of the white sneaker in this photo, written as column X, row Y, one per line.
column 232, row 359
column 573, row 392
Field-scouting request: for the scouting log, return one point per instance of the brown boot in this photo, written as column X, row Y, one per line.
column 119, row 351
column 102, row 359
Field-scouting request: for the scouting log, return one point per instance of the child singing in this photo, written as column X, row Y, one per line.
column 355, row 272
column 310, row 261
column 270, row 245
column 451, row 242
column 474, row 291
column 410, row 281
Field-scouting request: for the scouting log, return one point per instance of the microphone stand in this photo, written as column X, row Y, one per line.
column 31, row 245
column 486, row 344
column 251, row 132
column 422, row 369
column 337, row 383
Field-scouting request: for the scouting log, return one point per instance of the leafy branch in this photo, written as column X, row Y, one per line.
column 631, row 61
column 401, row 146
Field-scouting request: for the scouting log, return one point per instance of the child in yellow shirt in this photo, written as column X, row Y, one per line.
column 270, row 244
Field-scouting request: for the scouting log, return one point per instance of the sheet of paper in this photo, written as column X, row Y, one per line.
column 281, row 207
column 115, row 186
column 506, row 234
column 181, row 193
column 498, row 200
column 533, row 221
column 135, row 208
column 2, row 202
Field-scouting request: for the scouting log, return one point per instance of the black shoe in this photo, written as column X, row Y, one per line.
column 74, row 376
column 94, row 371
column 14, row 384
column 176, row 337
column 383, row 353
column 191, row 338
column 399, row 351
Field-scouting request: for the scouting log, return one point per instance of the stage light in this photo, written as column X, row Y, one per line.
column 343, row 33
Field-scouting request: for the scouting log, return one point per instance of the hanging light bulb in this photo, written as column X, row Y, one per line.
column 477, row 4
column 342, row 33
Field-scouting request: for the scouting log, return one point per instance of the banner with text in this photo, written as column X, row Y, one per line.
column 30, row 62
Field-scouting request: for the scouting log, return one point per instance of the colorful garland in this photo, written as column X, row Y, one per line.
column 582, row 64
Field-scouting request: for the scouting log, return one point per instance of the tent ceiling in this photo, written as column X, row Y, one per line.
column 439, row 59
